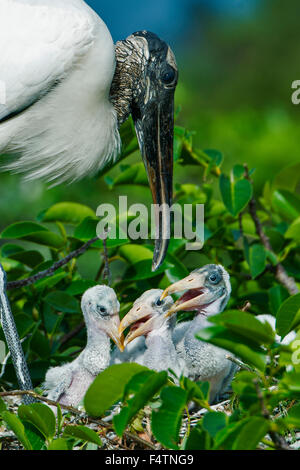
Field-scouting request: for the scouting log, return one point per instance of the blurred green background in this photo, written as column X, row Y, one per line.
column 237, row 61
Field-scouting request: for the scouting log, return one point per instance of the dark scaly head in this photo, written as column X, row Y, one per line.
column 144, row 86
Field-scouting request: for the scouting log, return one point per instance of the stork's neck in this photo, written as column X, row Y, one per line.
column 96, row 336
column 130, row 65
column 160, row 353
column 164, row 332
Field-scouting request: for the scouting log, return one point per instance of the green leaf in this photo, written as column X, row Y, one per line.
column 135, row 174
column 80, row 286
column 144, row 386
column 257, row 260
column 30, row 258
column 40, row 345
column 2, row 406
column 287, row 314
column 288, row 177
column 33, row 232
column 178, row 271
column 235, row 194
column 60, row 420
column 40, row 416
column 58, row 444
column 17, row 427
column 251, row 434
column 238, row 345
column 88, row 230
column 22, row 229
column 226, row 437
column 166, row 421
column 197, row 391
column 51, row 281
column 82, row 433
column 293, row 416
column 277, row 295
column 108, row 388
column 286, row 204
column 36, row 439
column 128, row 137
column 136, row 253
column 50, row 239
column 213, row 422
column 140, row 260
column 68, row 213
column 244, row 386
column 9, row 250
column 245, row 325
column 143, row 270
column 198, row 440
column 62, row 302
column 291, row 380
column 293, row 231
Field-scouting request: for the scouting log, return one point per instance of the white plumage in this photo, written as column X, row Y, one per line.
column 69, row 382
column 208, row 290
column 148, row 318
column 61, row 46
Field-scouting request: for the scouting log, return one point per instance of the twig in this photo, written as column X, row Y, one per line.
column 240, row 364
column 106, row 271
column 280, row 273
column 77, row 412
column 48, row 272
column 67, row 337
column 246, row 307
column 278, row 440
column 241, row 225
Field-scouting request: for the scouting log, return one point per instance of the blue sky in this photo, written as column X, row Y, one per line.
column 167, row 18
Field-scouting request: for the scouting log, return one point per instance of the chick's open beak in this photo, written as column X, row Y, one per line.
column 195, row 296
column 141, row 317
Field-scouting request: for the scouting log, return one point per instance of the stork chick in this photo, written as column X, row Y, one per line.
column 207, row 292
column 68, row 384
column 148, row 318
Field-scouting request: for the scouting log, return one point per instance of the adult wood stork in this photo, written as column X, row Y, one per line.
column 207, row 291
column 148, row 318
column 68, row 384
column 65, row 90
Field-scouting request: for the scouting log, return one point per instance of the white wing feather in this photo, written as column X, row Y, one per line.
column 39, row 43
column 59, row 57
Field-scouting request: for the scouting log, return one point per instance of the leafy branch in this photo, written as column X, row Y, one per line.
column 281, row 275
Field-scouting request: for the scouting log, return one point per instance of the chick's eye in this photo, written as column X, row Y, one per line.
column 101, row 309
column 215, row 278
column 168, row 76
column 159, row 303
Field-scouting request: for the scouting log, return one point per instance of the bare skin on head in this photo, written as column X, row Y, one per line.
column 206, row 291
column 148, row 318
column 68, row 384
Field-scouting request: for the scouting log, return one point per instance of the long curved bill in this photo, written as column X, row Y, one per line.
column 155, row 132
column 141, row 314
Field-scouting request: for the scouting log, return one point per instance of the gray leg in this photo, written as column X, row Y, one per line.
column 13, row 340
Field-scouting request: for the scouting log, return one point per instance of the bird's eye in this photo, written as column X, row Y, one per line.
column 159, row 303
column 102, row 310
column 215, row 278
column 168, row 76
